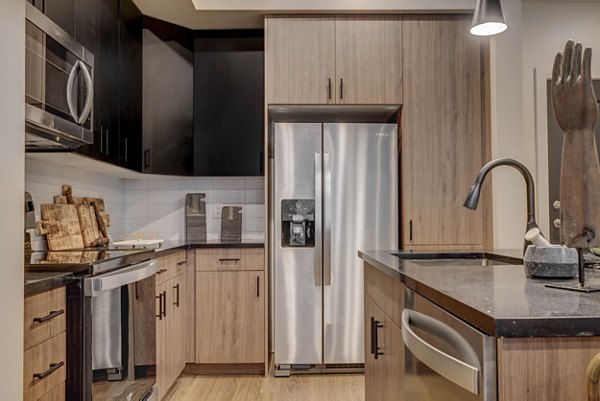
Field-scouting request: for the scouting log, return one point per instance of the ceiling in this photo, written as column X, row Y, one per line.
column 243, row 14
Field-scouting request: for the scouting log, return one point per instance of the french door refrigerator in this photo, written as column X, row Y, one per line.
column 335, row 192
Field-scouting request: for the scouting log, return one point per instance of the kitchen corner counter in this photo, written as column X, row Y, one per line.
column 499, row 300
column 42, row 282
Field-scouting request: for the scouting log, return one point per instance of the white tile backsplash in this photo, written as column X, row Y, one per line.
column 150, row 205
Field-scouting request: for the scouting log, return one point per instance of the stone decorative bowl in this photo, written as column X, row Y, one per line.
column 551, row 262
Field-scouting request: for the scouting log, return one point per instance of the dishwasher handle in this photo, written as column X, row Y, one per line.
column 127, row 275
column 462, row 373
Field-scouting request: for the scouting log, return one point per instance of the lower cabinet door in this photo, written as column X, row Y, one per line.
column 373, row 367
column 162, row 335
column 393, row 362
column 176, row 340
column 230, row 313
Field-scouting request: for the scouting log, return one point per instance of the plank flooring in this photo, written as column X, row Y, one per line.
column 326, row 387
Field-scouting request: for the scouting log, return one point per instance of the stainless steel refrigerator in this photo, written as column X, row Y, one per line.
column 335, row 192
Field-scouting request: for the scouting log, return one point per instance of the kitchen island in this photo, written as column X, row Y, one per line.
column 544, row 338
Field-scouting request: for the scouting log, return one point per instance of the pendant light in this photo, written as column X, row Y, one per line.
column 488, row 18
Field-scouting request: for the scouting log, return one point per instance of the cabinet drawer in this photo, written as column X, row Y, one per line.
column 164, row 268
column 386, row 292
column 44, row 367
column 45, row 316
column 229, row 259
column 56, row 394
column 178, row 259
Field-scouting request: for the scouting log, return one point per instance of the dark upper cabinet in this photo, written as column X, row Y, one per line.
column 130, row 86
column 168, row 97
column 228, row 103
column 59, row 11
column 97, row 26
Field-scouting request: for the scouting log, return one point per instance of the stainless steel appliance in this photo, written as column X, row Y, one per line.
column 335, row 192
column 445, row 358
column 111, row 322
column 59, row 86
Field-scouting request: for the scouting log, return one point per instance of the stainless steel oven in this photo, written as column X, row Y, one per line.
column 121, row 348
column 445, row 358
column 59, row 86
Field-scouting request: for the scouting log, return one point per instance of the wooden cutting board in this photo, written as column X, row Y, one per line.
column 89, row 224
column 62, row 200
column 60, row 224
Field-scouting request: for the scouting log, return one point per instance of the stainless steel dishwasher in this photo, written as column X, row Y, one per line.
column 445, row 358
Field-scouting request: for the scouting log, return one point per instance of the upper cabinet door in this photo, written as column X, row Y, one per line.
column 443, row 135
column 368, row 60
column 300, row 60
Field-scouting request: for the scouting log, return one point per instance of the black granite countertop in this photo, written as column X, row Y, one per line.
column 499, row 300
column 42, row 282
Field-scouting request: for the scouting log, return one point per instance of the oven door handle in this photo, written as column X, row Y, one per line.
column 70, row 84
column 109, row 281
column 87, row 107
column 464, row 374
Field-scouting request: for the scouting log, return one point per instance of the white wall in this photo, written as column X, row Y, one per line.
column 509, row 196
column 44, row 180
column 155, row 206
column 546, row 28
column 12, row 127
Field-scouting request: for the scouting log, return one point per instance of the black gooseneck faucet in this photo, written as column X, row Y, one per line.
column 475, row 191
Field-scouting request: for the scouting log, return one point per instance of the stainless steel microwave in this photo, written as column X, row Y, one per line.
column 59, row 87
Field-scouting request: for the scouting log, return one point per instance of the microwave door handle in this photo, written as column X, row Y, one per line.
column 87, row 107
column 461, row 373
column 70, row 84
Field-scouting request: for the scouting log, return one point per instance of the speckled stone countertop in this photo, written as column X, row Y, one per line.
column 499, row 300
column 42, row 282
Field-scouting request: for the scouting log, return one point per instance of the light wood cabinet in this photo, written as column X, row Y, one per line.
column 45, row 356
column 230, row 310
column 384, row 348
column 170, row 321
column 334, row 60
column 443, row 133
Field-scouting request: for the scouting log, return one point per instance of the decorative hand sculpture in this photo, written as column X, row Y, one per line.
column 576, row 111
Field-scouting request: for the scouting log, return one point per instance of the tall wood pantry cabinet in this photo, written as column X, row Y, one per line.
column 444, row 133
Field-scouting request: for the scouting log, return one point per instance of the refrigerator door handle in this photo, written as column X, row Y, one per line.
column 318, row 221
column 327, row 219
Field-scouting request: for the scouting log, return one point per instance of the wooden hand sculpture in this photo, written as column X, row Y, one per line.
column 576, row 111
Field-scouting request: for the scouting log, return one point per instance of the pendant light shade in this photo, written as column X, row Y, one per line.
column 488, row 18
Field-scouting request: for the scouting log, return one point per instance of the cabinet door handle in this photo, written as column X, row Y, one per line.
column 53, row 368
column 164, row 295
column 101, row 140
column 341, row 88
column 410, row 230
column 329, row 88
column 50, row 316
column 125, row 149
column 147, row 158
column 107, row 136
column 176, row 288
column 375, row 324
column 257, row 286
column 229, row 260
column 159, row 297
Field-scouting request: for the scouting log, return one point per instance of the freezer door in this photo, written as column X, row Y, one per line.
column 360, row 187
column 297, row 270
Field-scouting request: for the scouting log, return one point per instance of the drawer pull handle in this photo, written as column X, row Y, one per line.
column 161, row 271
column 53, row 368
column 50, row 316
column 229, row 260
column 181, row 263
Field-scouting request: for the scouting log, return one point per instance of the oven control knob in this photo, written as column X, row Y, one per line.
column 556, row 204
column 557, row 223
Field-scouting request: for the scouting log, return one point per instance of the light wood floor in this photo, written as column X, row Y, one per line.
column 250, row 388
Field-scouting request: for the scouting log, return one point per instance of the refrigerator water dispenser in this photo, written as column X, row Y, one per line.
column 298, row 223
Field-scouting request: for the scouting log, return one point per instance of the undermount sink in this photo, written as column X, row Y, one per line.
column 458, row 259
